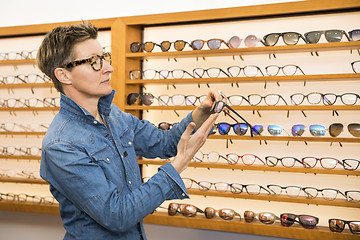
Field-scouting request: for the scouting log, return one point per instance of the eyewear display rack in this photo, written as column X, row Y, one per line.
column 126, row 30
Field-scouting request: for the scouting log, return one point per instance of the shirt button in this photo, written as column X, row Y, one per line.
column 129, row 143
column 95, row 122
column 183, row 194
column 107, row 159
column 129, row 182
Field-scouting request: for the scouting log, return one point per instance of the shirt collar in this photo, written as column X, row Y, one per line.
column 103, row 105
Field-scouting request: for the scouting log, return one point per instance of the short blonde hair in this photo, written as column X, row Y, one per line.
column 56, row 48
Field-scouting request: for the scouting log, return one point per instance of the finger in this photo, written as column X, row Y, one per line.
column 189, row 129
column 208, row 124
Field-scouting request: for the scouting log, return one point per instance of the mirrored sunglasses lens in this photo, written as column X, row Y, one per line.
column 333, row 35
column 287, row 219
column 298, row 130
column 354, row 227
column 234, row 42
column 249, row 216
column 173, row 208
column 267, row 218
column 335, row 129
column 274, row 130
column 210, row 212
column 317, row 130
column 224, row 128
column 227, row 214
column 189, row 211
column 197, row 44
column 257, row 129
column 240, row 129
column 336, row 225
column 354, row 129
column 308, row 222
column 214, row 43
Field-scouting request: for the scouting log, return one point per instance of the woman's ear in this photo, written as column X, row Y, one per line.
column 63, row 75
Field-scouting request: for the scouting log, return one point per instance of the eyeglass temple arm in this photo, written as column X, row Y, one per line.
column 251, row 128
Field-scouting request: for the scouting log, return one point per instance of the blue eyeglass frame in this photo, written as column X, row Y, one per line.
column 216, row 108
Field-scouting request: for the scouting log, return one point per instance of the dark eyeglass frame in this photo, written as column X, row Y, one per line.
column 91, row 60
column 207, row 154
column 269, row 186
column 350, row 199
column 234, row 186
column 308, row 195
column 324, row 32
column 340, row 229
column 283, row 218
column 326, row 102
column 264, row 97
column 281, row 161
column 350, row 169
column 196, row 75
column 243, row 69
column 206, row 186
column 307, row 165
column 282, row 35
column 352, row 65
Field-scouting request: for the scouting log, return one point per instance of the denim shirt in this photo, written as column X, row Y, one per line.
column 93, row 172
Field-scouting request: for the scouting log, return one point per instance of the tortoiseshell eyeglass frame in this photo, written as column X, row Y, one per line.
column 106, row 56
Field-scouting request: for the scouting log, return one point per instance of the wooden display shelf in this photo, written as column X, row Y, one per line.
column 257, row 79
column 35, row 109
column 22, row 180
column 29, row 207
column 282, row 198
column 240, row 226
column 18, row 62
column 300, row 48
column 285, row 138
column 254, row 108
column 27, row 85
column 22, row 133
column 257, row 167
column 18, row 157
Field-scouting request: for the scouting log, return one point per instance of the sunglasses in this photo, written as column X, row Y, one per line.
column 218, row 106
column 263, row 217
column 289, row 38
column 224, row 128
column 214, row 43
column 165, row 125
column 307, row 221
column 249, row 41
column 354, row 35
column 145, row 98
column 356, row 66
column 338, row 225
column 186, row 210
column 224, row 213
column 179, row 45
column 336, row 128
column 147, row 46
column 330, row 36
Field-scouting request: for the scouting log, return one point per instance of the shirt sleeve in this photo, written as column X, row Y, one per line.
column 75, row 176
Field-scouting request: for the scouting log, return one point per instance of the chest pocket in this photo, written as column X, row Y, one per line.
column 103, row 155
column 126, row 138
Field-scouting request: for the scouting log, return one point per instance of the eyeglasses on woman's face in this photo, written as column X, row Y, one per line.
column 95, row 61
